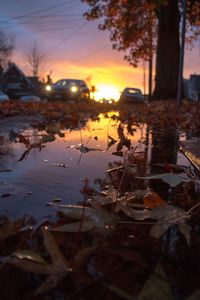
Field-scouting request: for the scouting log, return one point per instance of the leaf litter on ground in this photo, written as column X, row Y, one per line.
column 159, row 212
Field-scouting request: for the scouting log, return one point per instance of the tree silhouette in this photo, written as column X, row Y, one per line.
column 141, row 28
column 6, row 46
column 35, row 59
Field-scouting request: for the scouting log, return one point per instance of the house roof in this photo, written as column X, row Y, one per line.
column 13, row 65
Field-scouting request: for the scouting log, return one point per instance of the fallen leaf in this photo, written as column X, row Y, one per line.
column 156, row 287
column 56, row 270
column 170, row 178
column 29, row 255
column 152, row 199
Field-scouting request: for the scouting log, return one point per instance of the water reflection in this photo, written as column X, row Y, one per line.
column 51, row 162
column 6, row 156
column 165, row 146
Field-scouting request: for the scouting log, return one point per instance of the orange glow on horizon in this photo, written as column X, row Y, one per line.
column 106, row 92
column 109, row 77
column 109, row 81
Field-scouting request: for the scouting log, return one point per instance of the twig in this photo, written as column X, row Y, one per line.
column 152, row 223
column 122, row 178
column 192, row 208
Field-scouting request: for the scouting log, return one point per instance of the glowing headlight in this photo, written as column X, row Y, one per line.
column 74, row 89
column 48, row 88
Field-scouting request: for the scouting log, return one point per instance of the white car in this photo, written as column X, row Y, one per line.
column 3, row 97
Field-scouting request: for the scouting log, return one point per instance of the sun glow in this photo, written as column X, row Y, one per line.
column 106, row 92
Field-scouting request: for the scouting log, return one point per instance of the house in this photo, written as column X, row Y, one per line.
column 192, row 87
column 17, row 84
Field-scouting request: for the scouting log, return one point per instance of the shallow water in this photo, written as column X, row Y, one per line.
column 58, row 169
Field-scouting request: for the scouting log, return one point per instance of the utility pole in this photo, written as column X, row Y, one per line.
column 150, row 57
column 150, row 78
column 181, row 58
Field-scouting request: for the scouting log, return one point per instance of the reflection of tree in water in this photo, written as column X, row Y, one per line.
column 122, row 174
column 6, row 155
column 164, row 151
column 165, row 144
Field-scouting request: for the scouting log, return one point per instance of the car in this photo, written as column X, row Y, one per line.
column 106, row 101
column 3, row 97
column 131, row 95
column 69, row 90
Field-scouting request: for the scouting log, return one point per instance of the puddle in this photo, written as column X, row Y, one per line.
column 56, row 171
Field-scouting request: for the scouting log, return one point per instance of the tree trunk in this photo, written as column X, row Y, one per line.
column 167, row 60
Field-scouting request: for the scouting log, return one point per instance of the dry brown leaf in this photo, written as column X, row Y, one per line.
column 152, row 199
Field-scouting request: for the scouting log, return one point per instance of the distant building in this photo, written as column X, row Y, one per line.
column 17, row 84
column 192, row 87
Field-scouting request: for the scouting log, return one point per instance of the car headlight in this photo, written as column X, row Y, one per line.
column 48, row 88
column 74, row 89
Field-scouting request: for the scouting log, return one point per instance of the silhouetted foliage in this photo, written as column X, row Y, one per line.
column 141, row 27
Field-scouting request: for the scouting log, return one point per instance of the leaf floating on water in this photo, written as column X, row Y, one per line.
column 60, row 165
column 84, row 149
column 170, row 178
column 29, row 255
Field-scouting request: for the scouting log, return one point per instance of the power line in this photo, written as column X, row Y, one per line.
column 40, row 10
column 33, row 19
column 67, row 38
column 90, row 54
column 93, row 33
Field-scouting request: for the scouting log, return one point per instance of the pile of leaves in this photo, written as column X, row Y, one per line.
column 161, row 114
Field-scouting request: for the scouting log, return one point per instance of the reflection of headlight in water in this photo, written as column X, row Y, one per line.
column 74, row 89
column 48, row 88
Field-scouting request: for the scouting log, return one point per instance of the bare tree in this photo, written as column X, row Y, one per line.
column 6, row 47
column 35, row 58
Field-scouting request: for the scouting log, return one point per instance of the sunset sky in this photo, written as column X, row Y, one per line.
column 74, row 47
